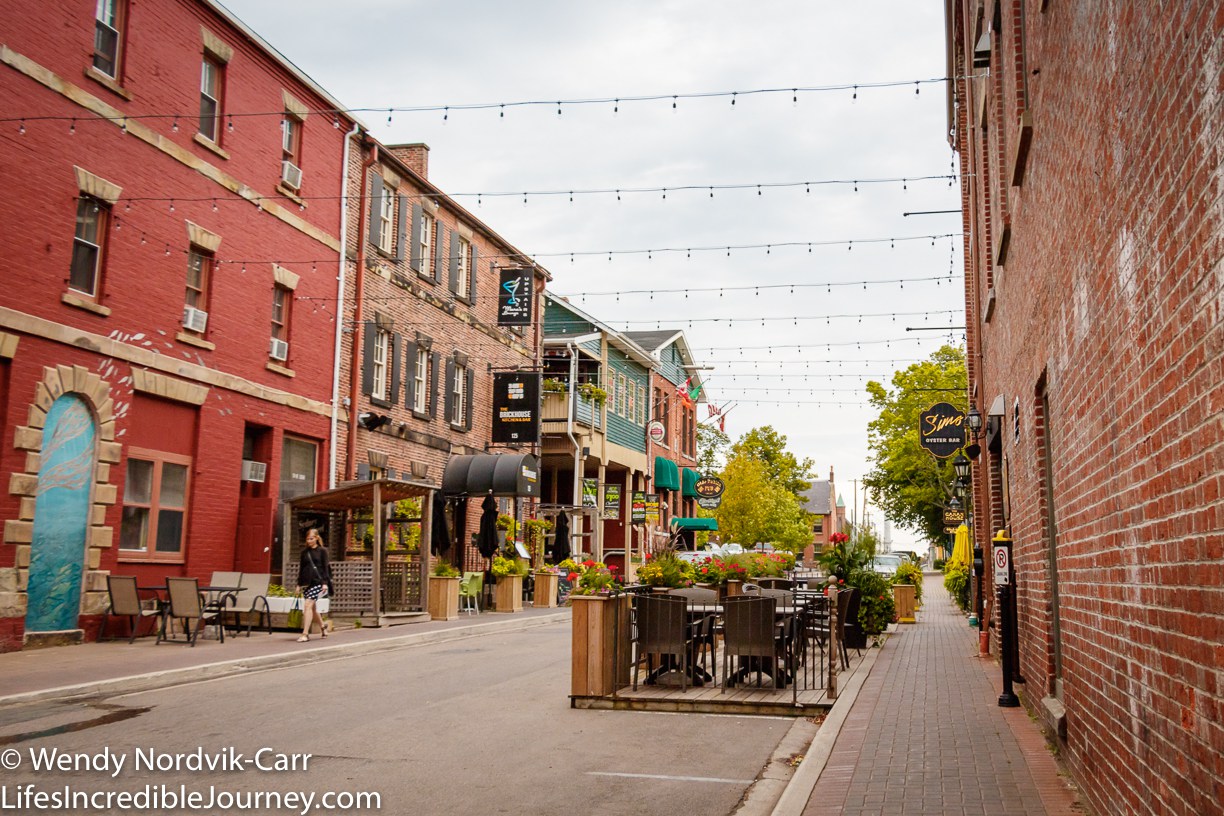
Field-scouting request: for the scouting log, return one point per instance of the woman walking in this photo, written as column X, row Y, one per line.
column 315, row 580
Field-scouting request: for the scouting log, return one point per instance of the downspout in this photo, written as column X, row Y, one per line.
column 335, row 400
column 571, row 398
column 358, row 325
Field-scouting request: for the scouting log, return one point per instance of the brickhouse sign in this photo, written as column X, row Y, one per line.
column 941, row 430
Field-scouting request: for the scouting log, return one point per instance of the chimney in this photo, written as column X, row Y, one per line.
column 415, row 156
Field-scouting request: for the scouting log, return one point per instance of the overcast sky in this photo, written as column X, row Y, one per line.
column 804, row 377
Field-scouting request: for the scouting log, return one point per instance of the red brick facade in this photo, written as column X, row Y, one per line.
column 1092, row 154
column 124, row 143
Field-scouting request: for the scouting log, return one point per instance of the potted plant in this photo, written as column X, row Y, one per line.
column 552, row 385
column 592, row 392
column 506, row 528
column 666, row 570
column 508, row 591
column 444, row 591
column 281, row 600
column 599, row 629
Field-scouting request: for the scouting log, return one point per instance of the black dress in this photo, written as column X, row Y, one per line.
column 314, row 573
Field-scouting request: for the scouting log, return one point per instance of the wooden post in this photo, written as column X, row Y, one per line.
column 834, row 643
column 376, row 518
column 600, row 636
column 426, row 553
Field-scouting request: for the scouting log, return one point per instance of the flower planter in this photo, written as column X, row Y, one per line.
column 508, row 594
column 730, row 590
column 545, row 590
column 903, row 597
column 443, row 597
column 599, row 660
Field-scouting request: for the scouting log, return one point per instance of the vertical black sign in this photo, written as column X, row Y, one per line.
column 514, row 295
column 516, row 408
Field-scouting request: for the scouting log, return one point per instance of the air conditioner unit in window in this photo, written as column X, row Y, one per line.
column 279, row 350
column 291, row 174
column 194, row 319
column 253, row 471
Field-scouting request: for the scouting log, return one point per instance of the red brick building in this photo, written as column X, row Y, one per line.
column 1091, row 144
column 173, row 203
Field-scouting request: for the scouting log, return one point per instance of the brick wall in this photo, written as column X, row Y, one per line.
column 1108, row 300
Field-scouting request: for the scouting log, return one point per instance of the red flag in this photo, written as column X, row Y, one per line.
column 722, row 424
column 683, row 388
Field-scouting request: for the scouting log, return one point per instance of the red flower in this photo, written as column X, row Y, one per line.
column 588, row 563
column 573, row 576
column 612, row 568
column 648, row 556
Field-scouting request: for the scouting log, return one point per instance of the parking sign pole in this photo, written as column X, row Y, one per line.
column 1001, row 556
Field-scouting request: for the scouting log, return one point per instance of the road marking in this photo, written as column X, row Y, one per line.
column 715, row 779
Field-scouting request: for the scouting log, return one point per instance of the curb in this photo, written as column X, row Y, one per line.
column 230, row 668
column 795, row 797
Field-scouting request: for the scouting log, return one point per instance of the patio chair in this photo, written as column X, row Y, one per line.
column 752, row 634
column 125, row 603
column 776, row 583
column 250, row 606
column 470, row 588
column 187, row 606
column 847, row 621
column 662, row 629
column 219, row 600
column 703, row 618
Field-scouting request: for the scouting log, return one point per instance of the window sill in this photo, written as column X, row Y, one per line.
column 194, row 340
column 84, row 303
column 208, row 144
column 427, row 277
column 380, row 402
column 280, row 369
column 288, row 192
column 144, row 559
column 109, row 83
column 420, row 415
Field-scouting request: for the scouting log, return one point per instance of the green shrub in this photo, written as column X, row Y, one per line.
column 939, row 563
column 876, row 606
column 910, row 573
column 956, row 581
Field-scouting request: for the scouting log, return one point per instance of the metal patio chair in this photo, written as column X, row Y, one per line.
column 249, row 606
column 125, row 603
column 186, row 605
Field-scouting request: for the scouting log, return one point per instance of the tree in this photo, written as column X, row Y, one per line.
column 755, row 508
column 768, row 447
column 712, row 447
column 908, row 483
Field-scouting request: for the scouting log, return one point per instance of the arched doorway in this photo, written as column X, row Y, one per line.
column 61, row 516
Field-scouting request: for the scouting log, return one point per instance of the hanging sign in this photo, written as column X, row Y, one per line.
column 953, row 517
column 941, row 430
column 656, row 431
column 612, row 501
column 709, row 492
column 638, row 510
column 652, row 508
column 516, row 408
column 514, row 294
column 590, row 492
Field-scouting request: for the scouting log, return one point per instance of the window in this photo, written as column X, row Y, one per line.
column 818, row 525
column 631, row 398
column 463, row 271
column 154, row 505
column 382, row 347
column 281, row 302
column 459, row 396
column 621, row 393
column 108, row 21
column 199, row 270
column 291, row 151
column 211, row 75
column 420, row 379
column 92, row 220
column 428, row 226
column 386, row 219
column 641, row 401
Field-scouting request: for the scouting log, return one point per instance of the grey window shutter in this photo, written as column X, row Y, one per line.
column 471, row 386
column 401, row 204
column 363, row 472
column 397, row 355
column 435, row 363
column 471, row 292
column 414, row 257
column 454, row 261
column 410, row 356
column 390, row 474
column 367, row 362
column 448, row 393
column 376, row 194
column 439, row 251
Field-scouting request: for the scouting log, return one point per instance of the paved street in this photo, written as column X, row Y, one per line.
column 475, row 726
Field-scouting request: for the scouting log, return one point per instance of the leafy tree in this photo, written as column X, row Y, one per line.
column 908, row 483
column 712, row 447
column 756, row 504
column 767, row 446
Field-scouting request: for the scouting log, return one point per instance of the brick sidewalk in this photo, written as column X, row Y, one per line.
column 926, row 735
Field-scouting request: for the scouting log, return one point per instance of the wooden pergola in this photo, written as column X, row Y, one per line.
column 374, row 495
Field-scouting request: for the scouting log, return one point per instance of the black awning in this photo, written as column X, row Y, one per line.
column 505, row 474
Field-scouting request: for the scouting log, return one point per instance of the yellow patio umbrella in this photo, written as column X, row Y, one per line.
column 960, row 545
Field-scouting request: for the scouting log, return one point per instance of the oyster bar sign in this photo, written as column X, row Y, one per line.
column 941, row 430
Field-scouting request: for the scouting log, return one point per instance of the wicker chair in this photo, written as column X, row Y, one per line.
column 752, row 634
column 662, row 629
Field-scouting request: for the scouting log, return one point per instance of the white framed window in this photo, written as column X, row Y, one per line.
column 212, row 73
column 108, row 39
column 463, row 275
column 386, row 216
column 459, row 396
column 428, row 225
column 420, row 378
column 382, row 353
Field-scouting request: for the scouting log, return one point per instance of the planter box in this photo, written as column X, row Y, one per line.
column 546, row 584
column 508, row 594
column 599, row 658
column 443, row 598
column 904, row 598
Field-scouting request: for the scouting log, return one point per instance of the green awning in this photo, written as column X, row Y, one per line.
column 710, row 524
column 689, row 477
column 666, row 474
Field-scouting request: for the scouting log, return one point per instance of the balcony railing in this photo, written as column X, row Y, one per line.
column 555, row 408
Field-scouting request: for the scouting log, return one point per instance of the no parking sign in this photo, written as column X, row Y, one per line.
column 1001, row 554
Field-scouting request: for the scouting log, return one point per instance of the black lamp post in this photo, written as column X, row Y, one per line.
column 974, row 420
column 962, row 466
